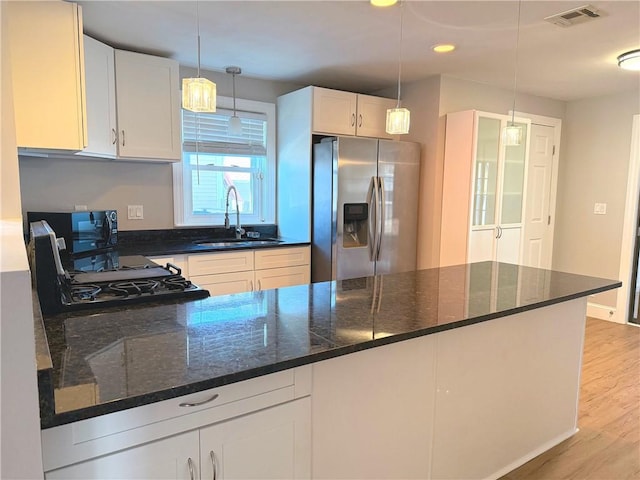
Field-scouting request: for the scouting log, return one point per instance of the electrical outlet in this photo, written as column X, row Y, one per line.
column 80, row 208
column 600, row 209
column 135, row 212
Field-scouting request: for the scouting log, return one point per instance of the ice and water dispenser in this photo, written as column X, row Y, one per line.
column 355, row 225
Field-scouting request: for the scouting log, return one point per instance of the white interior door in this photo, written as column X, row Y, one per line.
column 538, row 234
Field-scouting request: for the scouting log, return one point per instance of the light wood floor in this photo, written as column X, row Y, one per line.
column 607, row 447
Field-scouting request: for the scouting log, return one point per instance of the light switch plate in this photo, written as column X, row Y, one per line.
column 135, row 212
column 600, row 209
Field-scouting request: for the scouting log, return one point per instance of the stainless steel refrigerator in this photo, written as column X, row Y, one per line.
column 365, row 207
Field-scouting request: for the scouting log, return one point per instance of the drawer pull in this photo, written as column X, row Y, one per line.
column 191, row 474
column 197, row 404
column 214, row 465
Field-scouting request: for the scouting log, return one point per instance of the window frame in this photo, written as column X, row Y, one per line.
column 268, row 191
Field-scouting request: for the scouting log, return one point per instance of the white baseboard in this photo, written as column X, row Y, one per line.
column 533, row 454
column 603, row 312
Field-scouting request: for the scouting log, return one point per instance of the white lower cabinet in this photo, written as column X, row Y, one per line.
column 271, row 444
column 250, row 270
column 274, row 443
column 166, row 459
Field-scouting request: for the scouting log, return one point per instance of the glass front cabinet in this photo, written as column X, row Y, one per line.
column 483, row 188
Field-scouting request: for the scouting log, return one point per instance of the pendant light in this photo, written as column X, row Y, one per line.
column 512, row 133
column 398, row 119
column 235, row 124
column 198, row 94
column 630, row 60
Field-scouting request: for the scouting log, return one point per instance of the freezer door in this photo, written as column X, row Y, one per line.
column 357, row 169
column 399, row 171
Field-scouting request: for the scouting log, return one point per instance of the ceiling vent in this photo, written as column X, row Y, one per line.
column 574, row 16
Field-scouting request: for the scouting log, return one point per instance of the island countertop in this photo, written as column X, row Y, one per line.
column 114, row 359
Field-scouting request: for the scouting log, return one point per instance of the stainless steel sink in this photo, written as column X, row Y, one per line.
column 239, row 242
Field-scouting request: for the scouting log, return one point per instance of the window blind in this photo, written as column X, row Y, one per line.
column 213, row 133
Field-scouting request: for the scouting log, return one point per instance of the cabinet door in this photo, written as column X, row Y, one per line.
column 225, row 283
column 282, row 277
column 46, row 49
column 101, row 99
column 271, row 444
column 148, row 106
column 334, row 111
column 372, row 116
column 166, row 459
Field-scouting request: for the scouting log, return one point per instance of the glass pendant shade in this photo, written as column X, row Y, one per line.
column 235, row 126
column 512, row 135
column 630, row 60
column 198, row 95
column 398, row 120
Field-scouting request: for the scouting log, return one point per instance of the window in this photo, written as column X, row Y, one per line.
column 214, row 160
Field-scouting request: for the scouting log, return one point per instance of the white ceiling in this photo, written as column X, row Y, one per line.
column 351, row 45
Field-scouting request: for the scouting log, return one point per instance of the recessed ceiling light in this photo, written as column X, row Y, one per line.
column 630, row 60
column 383, row 3
column 443, row 48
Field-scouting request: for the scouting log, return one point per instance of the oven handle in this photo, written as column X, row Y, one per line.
column 178, row 270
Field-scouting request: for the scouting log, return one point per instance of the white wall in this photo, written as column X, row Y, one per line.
column 60, row 184
column 594, row 168
column 20, row 452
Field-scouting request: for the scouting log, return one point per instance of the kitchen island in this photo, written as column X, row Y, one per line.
column 457, row 372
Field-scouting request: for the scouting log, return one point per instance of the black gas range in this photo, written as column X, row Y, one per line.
column 105, row 279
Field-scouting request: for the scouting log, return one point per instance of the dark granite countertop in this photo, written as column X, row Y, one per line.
column 186, row 240
column 156, row 351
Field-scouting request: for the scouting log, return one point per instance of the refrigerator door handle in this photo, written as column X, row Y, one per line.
column 381, row 215
column 373, row 190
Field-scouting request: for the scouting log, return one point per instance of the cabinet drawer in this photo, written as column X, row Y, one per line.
column 282, row 277
column 225, row 283
column 282, row 257
column 213, row 263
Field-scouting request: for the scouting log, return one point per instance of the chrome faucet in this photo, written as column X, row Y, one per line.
column 239, row 229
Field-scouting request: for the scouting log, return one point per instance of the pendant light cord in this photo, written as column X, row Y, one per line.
column 400, row 52
column 198, row 32
column 515, row 67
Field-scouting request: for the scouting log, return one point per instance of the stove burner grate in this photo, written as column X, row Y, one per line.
column 85, row 292
column 176, row 283
column 133, row 287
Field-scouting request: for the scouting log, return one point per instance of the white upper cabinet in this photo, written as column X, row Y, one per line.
column 102, row 127
column 147, row 99
column 344, row 113
column 132, row 105
column 47, row 67
column 372, row 116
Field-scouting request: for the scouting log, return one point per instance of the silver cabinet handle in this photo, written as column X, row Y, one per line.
column 353, row 119
column 259, row 285
column 251, row 285
column 190, row 463
column 122, row 137
column 360, row 120
column 114, row 133
column 197, row 404
column 214, row 465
